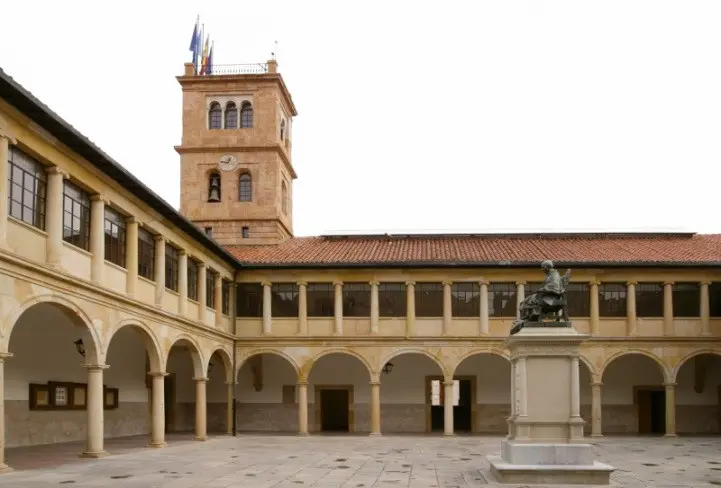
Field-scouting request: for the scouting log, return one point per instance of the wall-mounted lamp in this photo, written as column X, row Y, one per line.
column 80, row 347
column 388, row 367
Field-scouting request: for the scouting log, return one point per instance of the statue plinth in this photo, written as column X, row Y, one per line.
column 545, row 441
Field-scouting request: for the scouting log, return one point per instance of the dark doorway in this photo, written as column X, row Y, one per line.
column 169, row 400
column 334, row 406
column 651, row 411
column 462, row 411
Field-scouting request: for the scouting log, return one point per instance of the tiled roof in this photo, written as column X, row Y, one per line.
column 487, row 250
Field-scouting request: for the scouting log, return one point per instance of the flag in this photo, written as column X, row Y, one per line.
column 195, row 41
column 204, row 56
column 209, row 67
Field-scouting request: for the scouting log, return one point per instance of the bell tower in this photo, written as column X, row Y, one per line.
column 236, row 171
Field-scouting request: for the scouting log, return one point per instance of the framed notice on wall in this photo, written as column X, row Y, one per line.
column 56, row 395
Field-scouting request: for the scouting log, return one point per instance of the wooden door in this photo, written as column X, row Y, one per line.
column 334, row 408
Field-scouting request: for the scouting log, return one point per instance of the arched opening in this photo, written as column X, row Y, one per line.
column 284, row 197
column 245, row 188
column 246, row 115
column 231, row 116
column 45, row 383
column 215, row 116
column 633, row 398
column 412, row 394
column 214, row 187
column 266, row 395
column 282, row 130
column 183, row 367
column 698, row 395
column 339, row 394
column 220, row 374
column 132, row 354
column 484, row 394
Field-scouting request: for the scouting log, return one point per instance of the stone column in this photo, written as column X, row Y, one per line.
column 202, row 291
column 410, row 308
column 575, row 390
column 375, row 408
column 54, row 216
column 182, row 282
column 131, row 255
column 97, row 238
column 705, row 309
column 200, row 410
column 670, row 409
column 631, row 308
column 95, row 410
column 157, row 434
column 484, row 331
column 447, row 307
column 302, row 308
column 595, row 319
column 338, row 309
column 218, row 299
column 448, row 408
column 596, row 409
column 267, row 310
column 668, row 308
column 302, row 407
column 229, row 412
column 375, row 313
column 5, row 140
column 159, row 270
column 520, row 296
column 4, row 468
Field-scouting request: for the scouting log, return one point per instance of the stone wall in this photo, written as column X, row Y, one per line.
column 697, row 419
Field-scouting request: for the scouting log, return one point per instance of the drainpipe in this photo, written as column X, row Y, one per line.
column 232, row 321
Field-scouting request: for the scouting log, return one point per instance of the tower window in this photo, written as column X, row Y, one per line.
column 231, row 116
column 282, row 129
column 246, row 232
column 284, row 197
column 246, row 115
column 214, row 188
column 245, row 188
column 215, row 116
column 209, row 231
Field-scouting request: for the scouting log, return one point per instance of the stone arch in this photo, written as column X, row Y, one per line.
column 195, row 354
column 152, row 345
column 591, row 368
column 477, row 352
column 664, row 370
column 415, row 350
column 257, row 352
column 225, row 357
column 89, row 334
column 677, row 367
column 308, row 365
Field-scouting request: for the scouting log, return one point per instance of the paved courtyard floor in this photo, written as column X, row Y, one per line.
column 343, row 461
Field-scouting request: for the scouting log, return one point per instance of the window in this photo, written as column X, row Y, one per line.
column 429, row 300
column 249, row 300
column 687, row 300
column 114, row 237
column 531, row 288
column 321, row 299
column 214, row 187
column 171, row 267
column 26, row 189
column 714, row 292
column 215, row 116
column 392, row 299
column 146, row 254
column 210, row 289
column 76, row 216
column 245, row 232
column 578, row 298
column 465, row 300
column 225, row 293
column 502, row 300
column 612, row 300
column 246, row 115
column 245, row 188
column 356, row 299
column 192, row 279
column 284, row 196
column 284, row 299
column 231, row 116
column 209, row 231
column 649, row 300
column 282, row 129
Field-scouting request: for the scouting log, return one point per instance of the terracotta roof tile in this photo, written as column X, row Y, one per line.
column 486, row 249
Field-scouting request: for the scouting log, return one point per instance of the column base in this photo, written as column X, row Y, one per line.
column 4, row 468
column 670, row 435
column 596, row 435
column 375, row 434
column 302, row 434
column 446, row 434
column 157, row 445
column 94, row 454
column 200, row 438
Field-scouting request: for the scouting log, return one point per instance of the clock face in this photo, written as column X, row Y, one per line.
column 228, row 162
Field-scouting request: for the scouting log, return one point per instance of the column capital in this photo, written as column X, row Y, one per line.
column 670, row 385
column 301, row 383
column 520, row 283
column 55, row 170
column 594, row 283
column 668, row 283
column 374, row 283
column 337, row 283
column 200, row 379
column 156, row 374
column 596, row 384
column 447, row 382
column 5, row 356
column 410, row 283
column 99, row 197
column 201, row 264
column 483, row 282
column 447, row 283
column 132, row 219
column 95, row 367
column 182, row 252
column 706, row 282
column 302, row 283
column 631, row 283
column 266, row 283
column 158, row 238
column 375, row 382
column 5, row 134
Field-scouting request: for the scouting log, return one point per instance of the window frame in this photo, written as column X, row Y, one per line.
column 246, row 115
column 647, row 307
column 508, row 291
column 249, row 300
column 433, row 291
column 20, row 163
column 356, row 299
column 387, row 294
column 686, row 290
column 210, row 288
column 230, row 109
column 114, row 245
column 192, row 279
column 172, row 261
column 80, row 202
column 284, row 300
column 215, row 116
column 245, row 187
column 225, row 297
column 320, row 299
column 465, row 299
column 143, row 246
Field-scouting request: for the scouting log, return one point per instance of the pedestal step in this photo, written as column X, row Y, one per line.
column 567, row 474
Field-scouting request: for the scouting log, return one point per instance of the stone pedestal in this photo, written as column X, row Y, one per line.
column 545, row 430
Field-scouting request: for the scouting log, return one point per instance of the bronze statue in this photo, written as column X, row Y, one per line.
column 549, row 299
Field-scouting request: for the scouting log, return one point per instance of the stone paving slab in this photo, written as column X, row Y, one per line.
column 364, row 462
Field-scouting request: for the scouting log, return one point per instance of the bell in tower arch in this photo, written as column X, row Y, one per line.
column 214, row 188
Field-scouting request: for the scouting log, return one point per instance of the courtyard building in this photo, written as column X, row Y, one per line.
column 121, row 316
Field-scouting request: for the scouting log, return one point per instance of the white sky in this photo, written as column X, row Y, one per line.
column 443, row 116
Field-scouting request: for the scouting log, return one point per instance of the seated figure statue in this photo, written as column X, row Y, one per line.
column 550, row 298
